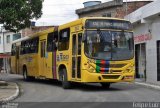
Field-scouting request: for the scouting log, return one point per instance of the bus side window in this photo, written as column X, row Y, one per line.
column 55, row 41
column 79, row 43
column 34, row 45
column 64, row 39
column 50, row 41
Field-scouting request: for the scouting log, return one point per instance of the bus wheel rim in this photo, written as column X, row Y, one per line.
column 25, row 75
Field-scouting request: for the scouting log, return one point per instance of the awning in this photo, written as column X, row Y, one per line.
column 5, row 55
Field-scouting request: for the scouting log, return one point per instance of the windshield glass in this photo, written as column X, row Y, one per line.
column 109, row 45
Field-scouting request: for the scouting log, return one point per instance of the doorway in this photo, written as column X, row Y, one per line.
column 158, row 60
column 140, row 61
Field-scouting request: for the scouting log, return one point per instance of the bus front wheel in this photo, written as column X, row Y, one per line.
column 105, row 85
column 65, row 83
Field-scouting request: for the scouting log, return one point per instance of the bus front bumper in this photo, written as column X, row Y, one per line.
column 108, row 77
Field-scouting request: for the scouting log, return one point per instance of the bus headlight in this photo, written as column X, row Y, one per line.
column 89, row 67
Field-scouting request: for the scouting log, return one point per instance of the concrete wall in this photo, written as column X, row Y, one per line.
column 117, row 9
column 142, row 14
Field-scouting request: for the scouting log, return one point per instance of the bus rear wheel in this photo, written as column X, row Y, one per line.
column 105, row 85
column 65, row 83
column 25, row 76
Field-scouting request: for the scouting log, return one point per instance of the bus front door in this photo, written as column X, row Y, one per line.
column 76, row 56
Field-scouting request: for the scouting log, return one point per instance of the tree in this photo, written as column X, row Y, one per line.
column 17, row 14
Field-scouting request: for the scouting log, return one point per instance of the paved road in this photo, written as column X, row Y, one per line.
column 50, row 91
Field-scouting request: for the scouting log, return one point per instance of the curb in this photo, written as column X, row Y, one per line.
column 12, row 97
column 148, row 85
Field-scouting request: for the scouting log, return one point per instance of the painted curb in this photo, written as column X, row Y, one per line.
column 148, row 85
column 12, row 97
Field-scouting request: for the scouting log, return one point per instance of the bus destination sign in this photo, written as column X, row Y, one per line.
column 108, row 24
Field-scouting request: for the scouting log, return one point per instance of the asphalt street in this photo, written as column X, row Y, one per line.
column 51, row 91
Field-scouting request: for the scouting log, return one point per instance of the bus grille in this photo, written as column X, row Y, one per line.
column 110, row 76
column 116, row 65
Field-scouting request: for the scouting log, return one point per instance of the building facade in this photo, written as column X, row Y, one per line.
column 6, row 39
column 115, row 8
column 146, row 24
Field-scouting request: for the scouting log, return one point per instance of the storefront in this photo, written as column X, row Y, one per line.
column 146, row 26
column 4, row 63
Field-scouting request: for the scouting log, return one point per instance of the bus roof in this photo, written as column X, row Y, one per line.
column 35, row 35
column 21, row 39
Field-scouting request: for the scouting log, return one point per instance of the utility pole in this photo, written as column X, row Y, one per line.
column 126, row 8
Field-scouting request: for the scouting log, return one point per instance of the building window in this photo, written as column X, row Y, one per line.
column 107, row 14
column 8, row 39
column 16, row 36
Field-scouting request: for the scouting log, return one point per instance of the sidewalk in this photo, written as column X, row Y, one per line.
column 8, row 91
column 146, row 84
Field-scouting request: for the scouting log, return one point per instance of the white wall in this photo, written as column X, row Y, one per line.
column 1, row 44
column 141, row 14
column 151, row 46
column 7, row 46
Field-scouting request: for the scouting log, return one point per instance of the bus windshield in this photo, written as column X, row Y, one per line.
column 109, row 45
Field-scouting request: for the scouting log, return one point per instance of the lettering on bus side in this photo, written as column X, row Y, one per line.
column 29, row 59
column 62, row 57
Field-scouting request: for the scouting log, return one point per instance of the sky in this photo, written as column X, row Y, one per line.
column 57, row 12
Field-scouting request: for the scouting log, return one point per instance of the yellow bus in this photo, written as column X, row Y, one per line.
column 88, row 50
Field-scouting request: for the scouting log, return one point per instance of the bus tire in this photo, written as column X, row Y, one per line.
column 25, row 75
column 65, row 83
column 105, row 85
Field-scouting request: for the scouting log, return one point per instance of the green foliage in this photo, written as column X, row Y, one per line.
column 17, row 14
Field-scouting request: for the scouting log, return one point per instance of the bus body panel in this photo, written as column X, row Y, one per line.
column 13, row 64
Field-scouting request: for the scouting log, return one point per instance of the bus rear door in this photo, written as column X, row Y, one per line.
column 42, row 59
